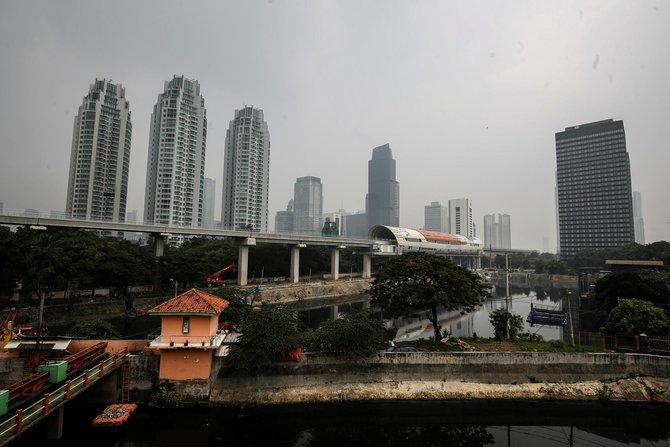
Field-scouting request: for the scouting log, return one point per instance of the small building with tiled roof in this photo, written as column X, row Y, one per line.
column 189, row 334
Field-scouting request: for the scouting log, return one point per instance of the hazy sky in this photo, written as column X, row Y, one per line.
column 469, row 94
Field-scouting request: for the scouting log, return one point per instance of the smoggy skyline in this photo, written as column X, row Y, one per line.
column 468, row 95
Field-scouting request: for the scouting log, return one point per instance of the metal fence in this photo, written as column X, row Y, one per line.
column 26, row 417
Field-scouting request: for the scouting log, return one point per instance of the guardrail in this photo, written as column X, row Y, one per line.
column 26, row 417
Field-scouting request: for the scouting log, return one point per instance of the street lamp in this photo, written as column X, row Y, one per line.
column 175, row 286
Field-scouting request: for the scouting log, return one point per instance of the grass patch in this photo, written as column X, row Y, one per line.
column 490, row 344
column 553, row 346
column 432, row 346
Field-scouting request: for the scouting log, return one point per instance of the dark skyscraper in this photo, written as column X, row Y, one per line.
column 593, row 183
column 382, row 204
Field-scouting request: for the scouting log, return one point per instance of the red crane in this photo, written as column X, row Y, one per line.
column 215, row 278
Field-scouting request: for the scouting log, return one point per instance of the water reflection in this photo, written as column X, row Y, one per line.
column 417, row 326
column 392, row 423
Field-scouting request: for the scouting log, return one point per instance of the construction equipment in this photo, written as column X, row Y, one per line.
column 8, row 325
column 215, row 279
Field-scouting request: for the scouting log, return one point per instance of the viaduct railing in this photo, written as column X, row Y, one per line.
column 14, row 426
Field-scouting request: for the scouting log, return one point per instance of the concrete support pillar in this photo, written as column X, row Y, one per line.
column 159, row 245
column 242, row 265
column 367, row 266
column 55, row 423
column 335, row 263
column 295, row 264
column 159, row 249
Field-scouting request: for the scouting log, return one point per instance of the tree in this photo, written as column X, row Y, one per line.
column 266, row 336
column 639, row 284
column 633, row 316
column 499, row 319
column 419, row 281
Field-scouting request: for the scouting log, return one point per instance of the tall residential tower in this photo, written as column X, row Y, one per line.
column 176, row 160
column 246, row 172
column 595, row 209
column 100, row 158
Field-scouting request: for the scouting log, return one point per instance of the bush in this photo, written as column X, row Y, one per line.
column 636, row 317
column 499, row 318
column 355, row 333
column 532, row 338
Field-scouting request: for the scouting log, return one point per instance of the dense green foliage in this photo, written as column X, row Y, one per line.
column 500, row 318
column 239, row 300
column 634, row 284
column 355, row 333
column 94, row 330
column 424, row 281
column 633, row 316
column 267, row 335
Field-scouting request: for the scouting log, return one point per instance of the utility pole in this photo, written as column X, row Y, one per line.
column 572, row 334
column 507, row 291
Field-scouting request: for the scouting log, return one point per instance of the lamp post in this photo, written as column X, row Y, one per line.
column 175, row 286
column 568, row 295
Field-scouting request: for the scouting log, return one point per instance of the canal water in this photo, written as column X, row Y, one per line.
column 455, row 324
column 396, row 423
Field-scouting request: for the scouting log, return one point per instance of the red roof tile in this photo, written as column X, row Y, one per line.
column 192, row 302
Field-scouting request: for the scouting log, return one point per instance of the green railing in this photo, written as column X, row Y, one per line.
column 26, row 417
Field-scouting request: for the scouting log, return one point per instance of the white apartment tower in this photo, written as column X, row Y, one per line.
column 436, row 217
column 460, row 217
column 176, row 161
column 246, row 172
column 308, row 205
column 208, row 203
column 100, row 158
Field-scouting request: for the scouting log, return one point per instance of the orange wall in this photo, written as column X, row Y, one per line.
column 199, row 327
column 185, row 364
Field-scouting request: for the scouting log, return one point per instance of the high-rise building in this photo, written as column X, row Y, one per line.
column 246, row 172
column 100, row 157
column 308, row 205
column 208, row 202
column 176, row 161
column 595, row 209
column 460, row 217
column 637, row 217
column 382, row 203
column 338, row 219
column 284, row 220
column 436, row 217
column 497, row 231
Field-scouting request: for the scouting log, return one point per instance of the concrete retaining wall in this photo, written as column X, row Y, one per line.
column 321, row 374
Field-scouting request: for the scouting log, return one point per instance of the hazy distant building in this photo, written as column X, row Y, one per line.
column 100, row 156
column 545, row 244
column 436, row 217
column 308, row 205
column 246, row 172
column 637, row 217
column 208, row 203
column 595, row 209
column 497, row 231
column 460, row 217
column 356, row 225
column 176, row 160
column 382, row 203
column 284, row 220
